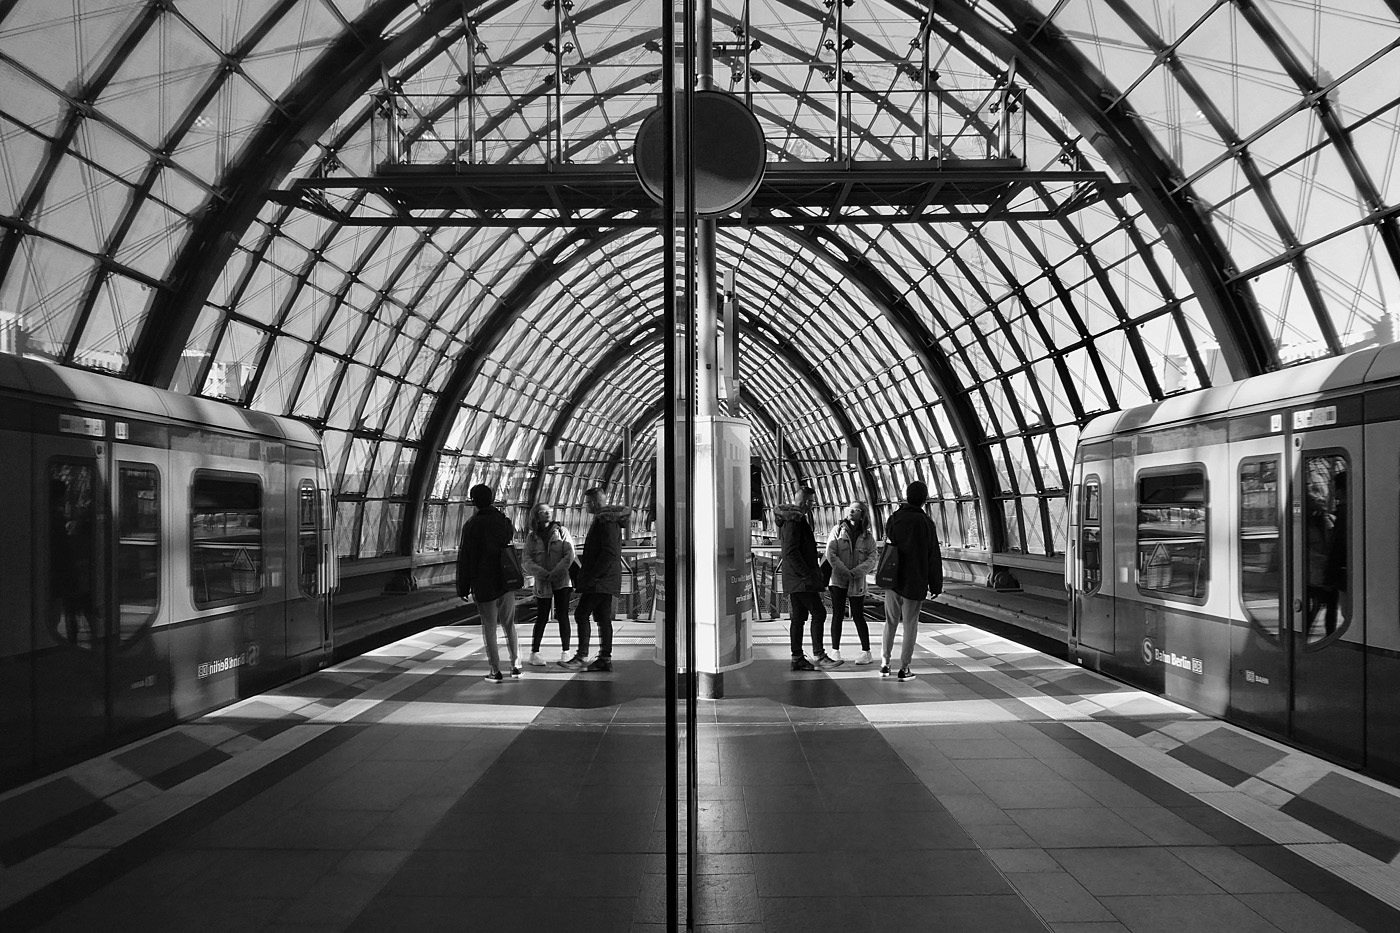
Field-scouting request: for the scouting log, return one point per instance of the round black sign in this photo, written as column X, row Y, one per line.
column 729, row 149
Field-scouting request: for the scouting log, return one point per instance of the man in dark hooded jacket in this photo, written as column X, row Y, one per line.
column 599, row 579
column 920, row 571
column 479, row 575
column 802, row 579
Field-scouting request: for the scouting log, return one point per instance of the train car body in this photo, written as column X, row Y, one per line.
column 1238, row 550
column 162, row 555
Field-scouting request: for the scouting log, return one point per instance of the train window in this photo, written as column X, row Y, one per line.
column 1326, row 523
column 1172, row 551
column 309, row 537
column 1091, row 535
column 74, row 571
column 138, row 547
column 225, row 538
column 1260, row 543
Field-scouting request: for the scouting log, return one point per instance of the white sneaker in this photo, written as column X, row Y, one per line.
column 536, row 660
column 564, row 657
column 835, row 654
column 865, row 658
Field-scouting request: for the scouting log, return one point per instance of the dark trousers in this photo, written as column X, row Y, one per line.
column 804, row 604
column 560, row 602
column 599, row 606
column 839, row 601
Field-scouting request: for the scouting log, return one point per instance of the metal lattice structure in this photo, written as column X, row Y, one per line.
column 1247, row 221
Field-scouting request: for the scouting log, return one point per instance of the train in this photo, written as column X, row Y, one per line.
column 163, row 555
column 1237, row 550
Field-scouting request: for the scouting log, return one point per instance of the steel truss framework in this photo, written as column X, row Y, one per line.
column 1228, row 206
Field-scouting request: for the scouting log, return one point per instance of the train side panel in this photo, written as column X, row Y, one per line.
column 1382, row 593
column 16, row 605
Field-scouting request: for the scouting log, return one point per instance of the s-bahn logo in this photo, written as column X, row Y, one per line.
column 248, row 657
column 1151, row 654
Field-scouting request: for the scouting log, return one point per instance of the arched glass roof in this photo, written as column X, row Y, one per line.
column 149, row 151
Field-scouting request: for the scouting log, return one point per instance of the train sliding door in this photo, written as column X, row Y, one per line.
column 138, row 652
column 1092, row 592
column 1327, row 624
column 71, row 628
column 99, row 589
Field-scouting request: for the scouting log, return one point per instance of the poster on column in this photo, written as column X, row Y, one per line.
column 723, row 585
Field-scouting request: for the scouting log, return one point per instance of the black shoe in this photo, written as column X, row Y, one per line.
column 494, row 677
column 515, row 669
column 600, row 664
column 906, row 674
column 884, row 670
column 802, row 664
column 828, row 663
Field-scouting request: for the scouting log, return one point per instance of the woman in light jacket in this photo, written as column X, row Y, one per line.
column 549, row 552
column 850, row 549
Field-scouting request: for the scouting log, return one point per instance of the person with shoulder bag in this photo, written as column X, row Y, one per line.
column 917, row 570
column 549, row 555
column 802, row 580
column 599, row 579
column 483, row 556
column 850, row 550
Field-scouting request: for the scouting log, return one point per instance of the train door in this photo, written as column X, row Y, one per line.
column 1259, row 636
column 71, row 628
column 308, row 589
column 138, row 656
column 1327, row 626
column 1091, row 593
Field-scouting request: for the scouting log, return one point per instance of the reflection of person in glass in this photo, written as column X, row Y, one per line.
column 70, row 562
column 1326, row 544
column 1334, row 570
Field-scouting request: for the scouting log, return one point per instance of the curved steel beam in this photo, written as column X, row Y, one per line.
column 608, row 362
column 349, row 67
column 492, row 329
column 657, row 409
column 1085, row 96
column 966, row 426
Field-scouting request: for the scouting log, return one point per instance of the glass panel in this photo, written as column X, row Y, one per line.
column 308, row 537
column 1090, row 541
column 1261, row 580
column 75, row 609
column 225, row 538
column 1325, row 563
column 1172, row 551
column 138, row 547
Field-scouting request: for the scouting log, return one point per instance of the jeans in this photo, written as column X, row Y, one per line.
column 499, row 611
column 804, row 604
column 560, row 601
column 599, row 606
column 839, row 600
column 899, row 610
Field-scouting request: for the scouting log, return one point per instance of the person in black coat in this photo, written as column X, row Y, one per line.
column 480, row 576
column 802, row 579
column 599, row 579
column 920, row 571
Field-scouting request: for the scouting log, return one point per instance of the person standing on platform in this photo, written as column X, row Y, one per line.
column 599, row 579
column 850, row 550
column 802, row 579
column 549, row 552
column 920, row 571
column 479, row 575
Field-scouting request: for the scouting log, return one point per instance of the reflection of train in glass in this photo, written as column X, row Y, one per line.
column 1220, row 553
column 161, row 555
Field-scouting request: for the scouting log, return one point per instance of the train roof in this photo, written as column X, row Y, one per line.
column 1352, row 370
column 65, row 384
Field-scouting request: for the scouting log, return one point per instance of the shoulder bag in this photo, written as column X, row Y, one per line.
column 887, row 570
column 511, row 571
